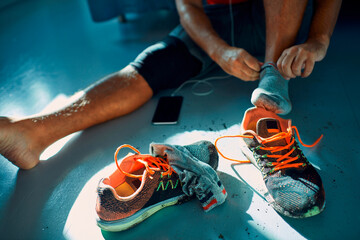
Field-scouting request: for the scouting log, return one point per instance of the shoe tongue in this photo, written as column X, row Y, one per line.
column 267, row 127
column 129, row 165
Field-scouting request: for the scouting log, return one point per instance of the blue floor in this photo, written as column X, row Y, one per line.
column 51, row 49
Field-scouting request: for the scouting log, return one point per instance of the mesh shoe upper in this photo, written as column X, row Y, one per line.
column 142, row 185
column 111, row 206
column 120, row 196
column 294, row 185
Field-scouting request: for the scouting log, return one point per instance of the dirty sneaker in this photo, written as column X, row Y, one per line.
column 142, row 185
column 293, row 186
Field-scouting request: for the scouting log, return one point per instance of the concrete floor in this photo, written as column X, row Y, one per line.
column 51, row 49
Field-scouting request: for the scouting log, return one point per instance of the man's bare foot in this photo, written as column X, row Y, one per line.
column 18, row 142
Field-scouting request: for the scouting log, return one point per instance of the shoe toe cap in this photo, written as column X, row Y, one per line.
column 297, row 197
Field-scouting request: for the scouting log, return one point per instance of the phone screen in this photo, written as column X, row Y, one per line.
column 168, row 110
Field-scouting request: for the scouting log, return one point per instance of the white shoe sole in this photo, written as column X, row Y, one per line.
column 138, row 217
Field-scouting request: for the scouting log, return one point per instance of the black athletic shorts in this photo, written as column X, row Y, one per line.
column 176, row 59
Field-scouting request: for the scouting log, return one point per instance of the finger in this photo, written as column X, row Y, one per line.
column 244, row 75
column 309, row 66
column 286, row 65
column 241, row 69
column 279, row 63
column 253, row 77
column 298, row 64
column 248, row 71
column 252, row 62
column 248, row 78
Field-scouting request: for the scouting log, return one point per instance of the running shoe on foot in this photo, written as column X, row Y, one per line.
column 142, row 185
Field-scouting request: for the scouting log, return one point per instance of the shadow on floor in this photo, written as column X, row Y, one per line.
column 189, row 221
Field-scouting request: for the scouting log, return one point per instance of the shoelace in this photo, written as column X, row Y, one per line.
column 282, row 161
column 151, row 163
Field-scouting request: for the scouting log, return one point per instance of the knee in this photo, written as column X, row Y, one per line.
column 130, row 78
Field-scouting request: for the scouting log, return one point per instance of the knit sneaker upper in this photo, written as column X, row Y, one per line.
column 294, row 185
column 144, row 184
column 140, row 181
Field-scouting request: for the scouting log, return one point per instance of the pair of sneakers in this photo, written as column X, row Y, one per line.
column 144, row 184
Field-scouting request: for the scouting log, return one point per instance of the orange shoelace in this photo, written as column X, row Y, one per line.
column 151, row 163
column 282, row 161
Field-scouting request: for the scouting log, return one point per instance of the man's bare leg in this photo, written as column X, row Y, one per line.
column 283, row 20
column 23, row 140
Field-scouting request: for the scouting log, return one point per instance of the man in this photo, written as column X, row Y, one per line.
column 229, row 36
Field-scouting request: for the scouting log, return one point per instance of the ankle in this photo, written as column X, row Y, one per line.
column 269, row 64
column 18, row 144
column 34, row 132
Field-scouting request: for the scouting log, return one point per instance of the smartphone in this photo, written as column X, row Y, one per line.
column 167, row 110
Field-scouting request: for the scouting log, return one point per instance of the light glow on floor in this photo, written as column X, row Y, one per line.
column 266, row 222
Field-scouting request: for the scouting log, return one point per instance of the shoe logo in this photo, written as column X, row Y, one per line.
column 169, row 183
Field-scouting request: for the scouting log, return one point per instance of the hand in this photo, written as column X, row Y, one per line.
column 239, row 63
column 299, row 60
